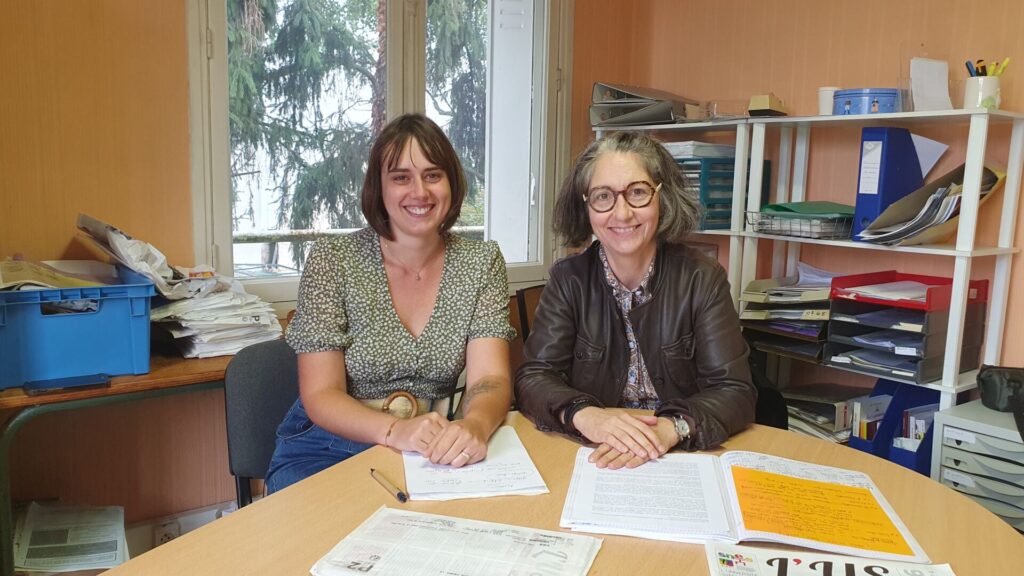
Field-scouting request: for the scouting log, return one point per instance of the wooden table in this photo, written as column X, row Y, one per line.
column 167, row 375
column 289, row 531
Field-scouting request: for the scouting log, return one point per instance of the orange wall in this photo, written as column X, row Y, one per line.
column 732, row 49
column 94, row 118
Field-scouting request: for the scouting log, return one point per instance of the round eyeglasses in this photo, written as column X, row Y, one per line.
column 637, row 194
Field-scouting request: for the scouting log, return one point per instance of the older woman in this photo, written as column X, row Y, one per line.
column 639, row 320
column 388, row 317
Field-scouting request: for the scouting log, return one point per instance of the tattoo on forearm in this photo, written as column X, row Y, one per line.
column 483, row 387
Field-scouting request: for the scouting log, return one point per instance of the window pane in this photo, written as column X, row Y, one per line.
column 456, row 76
column 307, row 85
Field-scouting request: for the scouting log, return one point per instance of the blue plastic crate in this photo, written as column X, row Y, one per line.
column 712, row 179
column 38, row 345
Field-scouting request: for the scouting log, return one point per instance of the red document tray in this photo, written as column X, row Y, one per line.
column 937, row 297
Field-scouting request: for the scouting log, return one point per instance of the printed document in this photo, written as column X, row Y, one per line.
column 406, row 543
column 739, row 496
column 66, row 538
column 507, row 470
column 733, row 560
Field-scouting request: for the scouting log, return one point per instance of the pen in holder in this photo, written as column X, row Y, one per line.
column 981, row 92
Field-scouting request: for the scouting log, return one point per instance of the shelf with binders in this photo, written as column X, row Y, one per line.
column 793, row 161
column 891, row 425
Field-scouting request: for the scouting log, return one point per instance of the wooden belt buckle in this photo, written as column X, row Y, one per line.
column 401, row 411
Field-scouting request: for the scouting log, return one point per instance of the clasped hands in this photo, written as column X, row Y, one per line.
column 624, row 439
column 454, row 444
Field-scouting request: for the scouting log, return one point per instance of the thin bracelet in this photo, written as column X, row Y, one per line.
column 390, row 428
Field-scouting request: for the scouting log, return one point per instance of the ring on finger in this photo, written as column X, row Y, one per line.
column 465, row 455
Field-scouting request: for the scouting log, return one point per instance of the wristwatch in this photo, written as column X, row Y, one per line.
column 682, row 427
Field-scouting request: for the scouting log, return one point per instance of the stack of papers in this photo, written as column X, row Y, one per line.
column 899, row 290
column 57, row 538
column 695, row 149
column 507, row 470
column 928, row 214
column 217, row 323
column 879, row 361
column 406, row 543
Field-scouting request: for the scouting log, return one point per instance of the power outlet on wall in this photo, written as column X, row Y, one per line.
column 166, row 532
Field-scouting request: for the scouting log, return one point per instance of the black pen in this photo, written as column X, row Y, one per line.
column 391, row 488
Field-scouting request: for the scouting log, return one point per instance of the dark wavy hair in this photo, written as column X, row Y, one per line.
column 387, row 149
column 679, row 204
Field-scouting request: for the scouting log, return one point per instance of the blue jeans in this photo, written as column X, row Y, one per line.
column 303, row 449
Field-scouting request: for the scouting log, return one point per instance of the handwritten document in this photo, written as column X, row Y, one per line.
column 733, row 560
column 739, row 496
column 406, row 543
column 816, row 506
column 507, row 470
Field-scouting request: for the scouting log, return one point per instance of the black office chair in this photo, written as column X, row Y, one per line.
column 528, row 298
column 260, row 384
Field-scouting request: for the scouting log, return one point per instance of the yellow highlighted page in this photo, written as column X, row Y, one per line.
column 820, row 511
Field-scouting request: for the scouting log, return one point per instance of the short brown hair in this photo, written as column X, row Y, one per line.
column 680, row 207
column 387, row 149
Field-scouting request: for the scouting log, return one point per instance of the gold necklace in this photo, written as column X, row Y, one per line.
column 418, row 275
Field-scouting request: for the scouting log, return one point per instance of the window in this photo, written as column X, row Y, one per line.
column 287, row 97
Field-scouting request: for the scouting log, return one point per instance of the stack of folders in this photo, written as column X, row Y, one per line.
column 916, row 422
column 822, row 410
column 928, row 215
column 788, row 316
column 620, row 105
column 867, row 415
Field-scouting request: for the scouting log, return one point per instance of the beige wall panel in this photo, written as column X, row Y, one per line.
column 94, row 118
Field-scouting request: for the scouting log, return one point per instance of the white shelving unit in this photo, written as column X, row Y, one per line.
column 794, row 146
column 741, row 129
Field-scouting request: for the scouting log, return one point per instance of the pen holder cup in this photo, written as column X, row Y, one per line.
column 981, row 92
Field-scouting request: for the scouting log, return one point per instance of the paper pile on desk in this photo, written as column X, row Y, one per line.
column 66, row 538
column 171, row 282
column 406, row 543
column 507, row 470
column 217, row 323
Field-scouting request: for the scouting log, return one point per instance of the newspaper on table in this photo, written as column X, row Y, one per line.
column 69, row 538
column 406, row 543
column 507, row 470
column 738, row 560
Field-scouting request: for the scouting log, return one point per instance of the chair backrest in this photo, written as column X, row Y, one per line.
column 260, row 384
column 528, row 299
column 515, row 347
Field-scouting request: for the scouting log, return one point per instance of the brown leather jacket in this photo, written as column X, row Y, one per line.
column 688, row 333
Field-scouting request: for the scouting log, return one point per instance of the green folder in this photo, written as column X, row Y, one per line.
column 807, row 210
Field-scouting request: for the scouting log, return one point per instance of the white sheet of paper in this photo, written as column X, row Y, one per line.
column 406, row 543
column 928, row 152
column 507, row 470
column 676, row 497
column 929, row 84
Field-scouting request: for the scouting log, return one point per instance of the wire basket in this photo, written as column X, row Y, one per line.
column 832, row 228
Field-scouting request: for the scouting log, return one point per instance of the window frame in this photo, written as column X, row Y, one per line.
column 406, row 39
